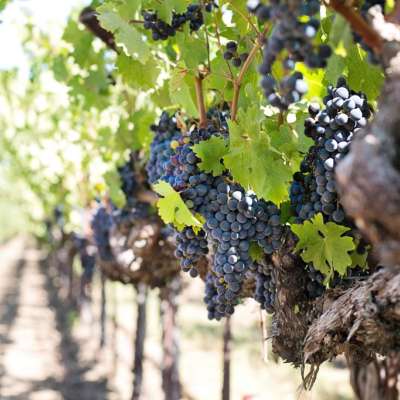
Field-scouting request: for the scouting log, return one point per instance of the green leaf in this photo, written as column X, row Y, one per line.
column 211, row 153
column 172, row 209
column 324, row 245
column 256, row 252
column 193, row 50
column 125, row 34
column 286, row 212
column 359, row 259
column 179, row 90
column 81, row 41
column 3, row 4
column 164, row 8
column 351, row 61
column 253, row 162
column 114, row 188
column 136, row 74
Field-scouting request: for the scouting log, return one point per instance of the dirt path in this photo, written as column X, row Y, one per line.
column 39, row 358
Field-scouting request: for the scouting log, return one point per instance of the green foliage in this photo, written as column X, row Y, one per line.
column 173, row 210
column 104, row 102
column 113, row 18
column 113, row 183
column 136, row 74
column 252, row 159
column 211, row 152
column 3, row 4
column 351, row 61
column 181, row 90
column 256, row 252
column 359, row 259
column 324, row 245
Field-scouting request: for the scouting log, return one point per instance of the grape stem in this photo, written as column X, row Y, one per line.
column 358, row 24
column 237, row 83
column 200, row 101
column 136, row 21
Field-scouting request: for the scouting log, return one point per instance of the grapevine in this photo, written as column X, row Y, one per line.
column 252, row 146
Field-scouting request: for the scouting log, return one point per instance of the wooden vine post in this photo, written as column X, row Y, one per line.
column 141, row 303
column 170, row 341
column 227, row 344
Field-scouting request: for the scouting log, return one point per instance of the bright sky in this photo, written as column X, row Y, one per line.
column 49, row 15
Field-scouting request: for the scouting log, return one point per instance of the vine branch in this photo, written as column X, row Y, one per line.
column 358, row 24
column 200, row 101
column 237, row 83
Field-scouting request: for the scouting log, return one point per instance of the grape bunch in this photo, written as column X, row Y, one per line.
column 265, row 291
column 191, row 247
column 235, row 219
column 87, row 256
column 129, row 184
column 166, row 136
column 367, row 4
column 101, row 224
column 161, row 30
column 332, row 129
column 231, row 54
column 125, row 218
column 294, row 30
column 211, row 297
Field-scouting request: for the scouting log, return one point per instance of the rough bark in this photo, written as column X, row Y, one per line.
column 368, row 178
column 375, row 380
column 139, row 342
column 290, row 320
column 364, row 319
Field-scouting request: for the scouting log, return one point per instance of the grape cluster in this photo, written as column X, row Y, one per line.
column 332, row 129
column 101, row 224
column 265, row 291
column 367, row 4
column 211, row 297
column 166, row 136
column 125, row 218
column 231, row 54
column 161, row 30
column 87, row 256
column 294, row 31
column 234, row 219
column 191, row 247
column 129, row 184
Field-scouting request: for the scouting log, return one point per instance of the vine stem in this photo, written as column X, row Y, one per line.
column 237, row 83
column 200, row 101
column 358, row 24
column 136, row 21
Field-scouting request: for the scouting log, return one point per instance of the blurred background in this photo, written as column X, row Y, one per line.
column 50, row 349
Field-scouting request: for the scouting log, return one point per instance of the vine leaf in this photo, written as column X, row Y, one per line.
column 359, row 259
column 172, row 208
column 113, row 183
column 253, row 161
column 324, row 245
column 256, row 252
column 135, row 73
column 211, row 153
column 125, row 34
column 180, row 84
